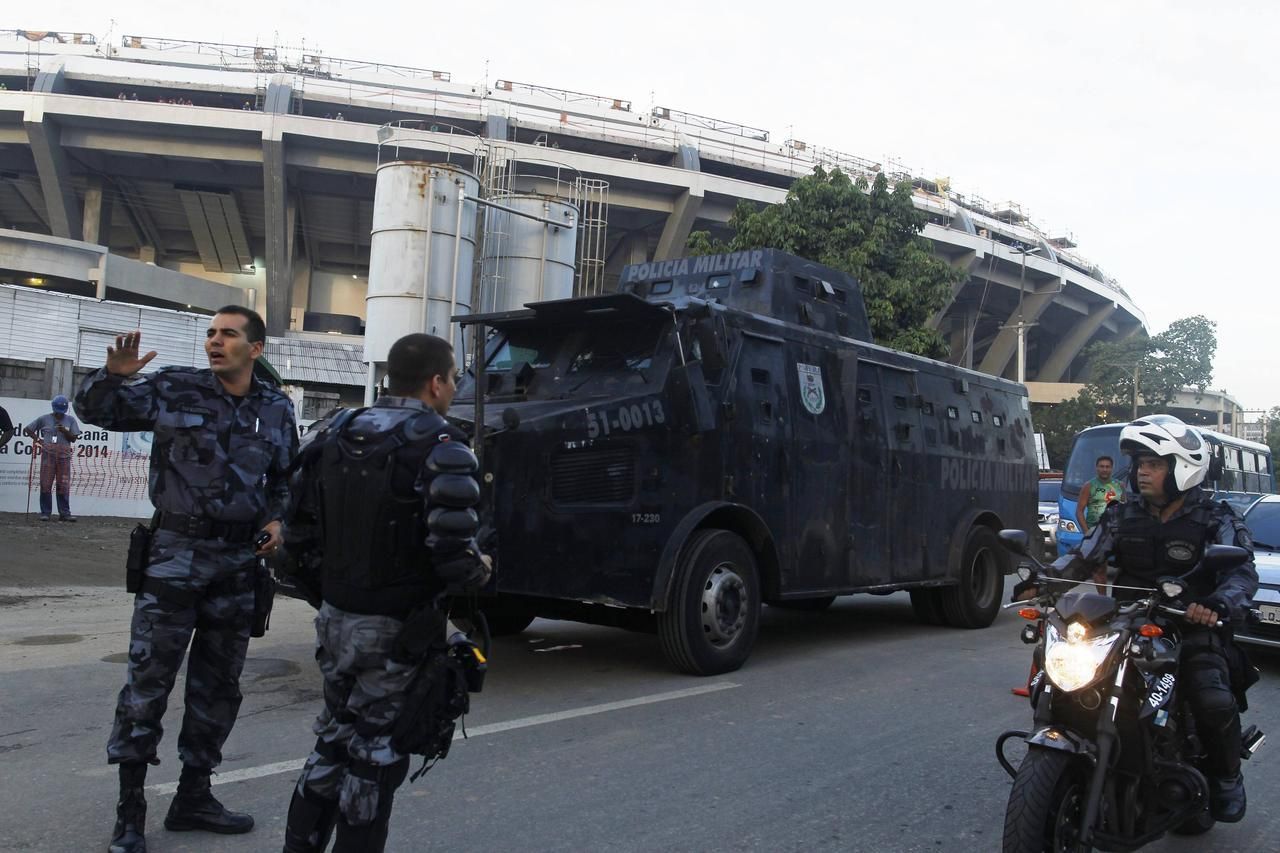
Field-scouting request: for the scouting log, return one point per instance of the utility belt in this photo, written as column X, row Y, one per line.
column 197, row 527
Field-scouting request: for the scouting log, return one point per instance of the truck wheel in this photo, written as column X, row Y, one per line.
column 711, row 621
column 927, row 605
column 507, row 616
column 975, row 600
column 805, row 605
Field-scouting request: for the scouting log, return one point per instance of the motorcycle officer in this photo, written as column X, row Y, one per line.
column 1162, row 531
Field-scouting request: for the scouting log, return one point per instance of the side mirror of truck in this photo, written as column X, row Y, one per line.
column 689, row 395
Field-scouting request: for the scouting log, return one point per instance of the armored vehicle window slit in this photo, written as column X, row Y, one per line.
column 998, row 420
column 802, row 285
column 759, row 377
column 864, row 395
column 953, row 413
column 660, row 287
column 977, row 417
column 718, row 282
column 899, row 402
column 927, row 408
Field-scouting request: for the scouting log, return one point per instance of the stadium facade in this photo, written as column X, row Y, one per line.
column 188, row 174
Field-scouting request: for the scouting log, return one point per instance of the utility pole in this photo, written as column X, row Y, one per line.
column 1022, row 324
column 1135, row 391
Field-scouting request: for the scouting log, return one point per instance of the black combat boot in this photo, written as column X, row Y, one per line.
column 1226, row 799
column 131, row 812
column 194, row 807
column 310, row 823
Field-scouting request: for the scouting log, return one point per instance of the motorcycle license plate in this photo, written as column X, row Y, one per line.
column 1269, row 614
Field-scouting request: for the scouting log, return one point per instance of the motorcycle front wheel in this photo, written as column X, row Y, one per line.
column 1046, row 804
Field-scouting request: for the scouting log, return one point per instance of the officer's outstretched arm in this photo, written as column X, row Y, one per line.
column 117, row 403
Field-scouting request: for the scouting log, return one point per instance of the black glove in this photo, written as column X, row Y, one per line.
column 467, row 572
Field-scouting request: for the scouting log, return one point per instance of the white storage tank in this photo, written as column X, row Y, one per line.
column 525, row 259
column 421, row 254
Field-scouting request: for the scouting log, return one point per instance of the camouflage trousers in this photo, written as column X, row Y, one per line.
column 198, row 593
column 364, row 694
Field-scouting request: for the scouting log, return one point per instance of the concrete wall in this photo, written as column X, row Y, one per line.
column 334, row 293
column 39, row 380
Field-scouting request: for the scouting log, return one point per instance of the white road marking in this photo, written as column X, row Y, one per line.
column 476, row 731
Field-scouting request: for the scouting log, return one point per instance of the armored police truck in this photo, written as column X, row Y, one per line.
column 721, row 433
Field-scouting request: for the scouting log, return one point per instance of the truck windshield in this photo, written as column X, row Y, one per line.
column 603, row 358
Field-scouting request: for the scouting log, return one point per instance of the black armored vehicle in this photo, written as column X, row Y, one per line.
column 721, row 433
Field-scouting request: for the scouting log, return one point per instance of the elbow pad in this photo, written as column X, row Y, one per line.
column 453, row 492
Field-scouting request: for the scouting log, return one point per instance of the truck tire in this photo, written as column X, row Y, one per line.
column 805, row 605
column 507, row 616
column 711, row 621
column 975, row 600
column 927, row 605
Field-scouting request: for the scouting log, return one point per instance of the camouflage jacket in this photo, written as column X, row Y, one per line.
column 214, row 455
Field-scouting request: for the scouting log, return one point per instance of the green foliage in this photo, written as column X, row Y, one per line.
column 871, row 232
column 1179, row 357
column 1060, row 423
column 1273, row 434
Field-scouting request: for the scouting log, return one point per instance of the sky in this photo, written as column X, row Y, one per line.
column 1148, row 130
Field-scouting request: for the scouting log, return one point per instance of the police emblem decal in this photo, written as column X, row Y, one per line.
column 811, row 393
column 1180, row 551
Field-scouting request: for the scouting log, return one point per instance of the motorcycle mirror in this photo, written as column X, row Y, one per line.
column 1219, row 558
column 1024, row 572
column 1015, row 540
column 1171, row 587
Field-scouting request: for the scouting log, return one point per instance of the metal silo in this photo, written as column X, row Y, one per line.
column 530, row 248
column 421, row 253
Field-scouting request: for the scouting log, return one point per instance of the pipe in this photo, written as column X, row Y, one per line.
column 543, row 219
column 370, row 383
column 426, row 259
column 457, row 250
column 542, row 262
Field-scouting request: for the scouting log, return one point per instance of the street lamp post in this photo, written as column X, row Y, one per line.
column 1022, row 325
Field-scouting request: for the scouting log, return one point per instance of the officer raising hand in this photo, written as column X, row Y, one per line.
column 223, row 443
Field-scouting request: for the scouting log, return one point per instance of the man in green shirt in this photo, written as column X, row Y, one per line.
column 1097, row 493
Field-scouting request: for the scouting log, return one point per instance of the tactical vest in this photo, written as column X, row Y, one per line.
column 1147, row 549
column 374, row 531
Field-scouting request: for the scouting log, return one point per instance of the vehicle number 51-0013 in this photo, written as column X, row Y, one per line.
column 625, row 418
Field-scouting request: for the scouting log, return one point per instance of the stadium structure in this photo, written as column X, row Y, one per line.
column 190, row 174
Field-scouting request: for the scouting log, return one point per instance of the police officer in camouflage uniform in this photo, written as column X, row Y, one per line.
column 223, row 443
column 385, row 518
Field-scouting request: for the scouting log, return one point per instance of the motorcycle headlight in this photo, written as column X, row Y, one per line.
column 1067, row 525
column 1072, row 662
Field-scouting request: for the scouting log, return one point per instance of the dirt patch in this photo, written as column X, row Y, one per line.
column 90, row 552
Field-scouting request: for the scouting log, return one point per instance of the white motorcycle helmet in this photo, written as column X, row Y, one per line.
column 1166, row 436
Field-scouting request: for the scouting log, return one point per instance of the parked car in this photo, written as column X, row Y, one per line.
column 1047, row 514
column 1263, row 519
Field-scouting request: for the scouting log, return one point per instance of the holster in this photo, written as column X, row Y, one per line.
column 135, row 564
column 264, row 596
column 423, row 631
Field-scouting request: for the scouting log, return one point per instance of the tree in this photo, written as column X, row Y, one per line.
column 1179, row 357
column 1273, row 433
column 1059, row 423
column 869, row 231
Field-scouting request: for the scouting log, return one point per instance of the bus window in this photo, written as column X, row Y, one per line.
column 1250, row 462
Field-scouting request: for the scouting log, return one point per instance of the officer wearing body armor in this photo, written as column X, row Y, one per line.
column 1162, row 531
column 383, row 527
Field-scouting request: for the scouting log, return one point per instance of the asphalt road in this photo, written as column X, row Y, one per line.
column 855, row 729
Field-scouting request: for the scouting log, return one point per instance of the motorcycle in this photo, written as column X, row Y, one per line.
column 1113, row 761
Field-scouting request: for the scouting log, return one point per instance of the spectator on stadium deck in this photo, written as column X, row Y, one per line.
column 52, row 435
column 6, row 427
column 339, row 117
column 245, row 106
column 133, row 96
